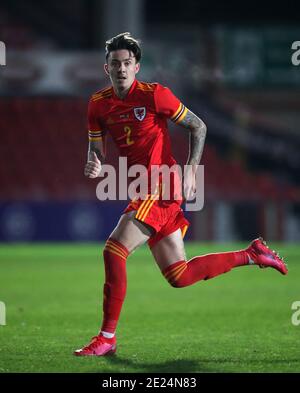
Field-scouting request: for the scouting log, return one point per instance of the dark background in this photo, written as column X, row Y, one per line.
column 230, row 63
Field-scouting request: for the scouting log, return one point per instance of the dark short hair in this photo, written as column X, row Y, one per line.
column 124, row 41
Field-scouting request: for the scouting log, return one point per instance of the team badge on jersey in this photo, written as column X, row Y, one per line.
column 140, row 113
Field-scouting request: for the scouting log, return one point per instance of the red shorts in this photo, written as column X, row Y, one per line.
column 165, row 217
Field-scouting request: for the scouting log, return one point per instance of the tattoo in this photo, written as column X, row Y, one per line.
column 197, row 136
column 98, row 148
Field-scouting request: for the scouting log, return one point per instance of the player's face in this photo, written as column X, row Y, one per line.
column 121, row 67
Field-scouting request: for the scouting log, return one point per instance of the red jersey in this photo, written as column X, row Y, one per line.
column 137, row 123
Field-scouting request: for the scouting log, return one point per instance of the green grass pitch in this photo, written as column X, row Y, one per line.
column 236, row 322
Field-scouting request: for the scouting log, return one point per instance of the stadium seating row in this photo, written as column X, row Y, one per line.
column 43, row 146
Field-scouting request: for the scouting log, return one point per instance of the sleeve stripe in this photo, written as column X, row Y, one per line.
column 103, row 91
column 95, row 139
column 95, row 135
column 182, row 116
column 177, row 111
column 101, row 96
column 95, row 132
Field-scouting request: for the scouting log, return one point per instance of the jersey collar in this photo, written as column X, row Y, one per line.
column 132, row 87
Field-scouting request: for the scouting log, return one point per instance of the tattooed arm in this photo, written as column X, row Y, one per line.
column 99, row 147
column 197, row 130
column 96, row 156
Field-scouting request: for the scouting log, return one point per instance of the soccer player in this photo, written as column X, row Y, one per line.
column 135, row 114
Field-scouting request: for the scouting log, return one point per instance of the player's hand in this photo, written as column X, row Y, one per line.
column 93, row 167
column 189, row 184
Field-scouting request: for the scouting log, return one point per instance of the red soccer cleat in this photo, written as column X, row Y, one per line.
column 261, row 255
column 99, row 346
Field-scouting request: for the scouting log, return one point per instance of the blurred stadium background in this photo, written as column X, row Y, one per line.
column 237, row 76
column 230, row 65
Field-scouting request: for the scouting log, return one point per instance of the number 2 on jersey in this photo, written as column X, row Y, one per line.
column 128, row 131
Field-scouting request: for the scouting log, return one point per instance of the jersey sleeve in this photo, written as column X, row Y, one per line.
column 95, row 131
column 168, row 105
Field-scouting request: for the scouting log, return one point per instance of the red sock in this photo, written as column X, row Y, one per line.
column 182, row 273
column 114, row 290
